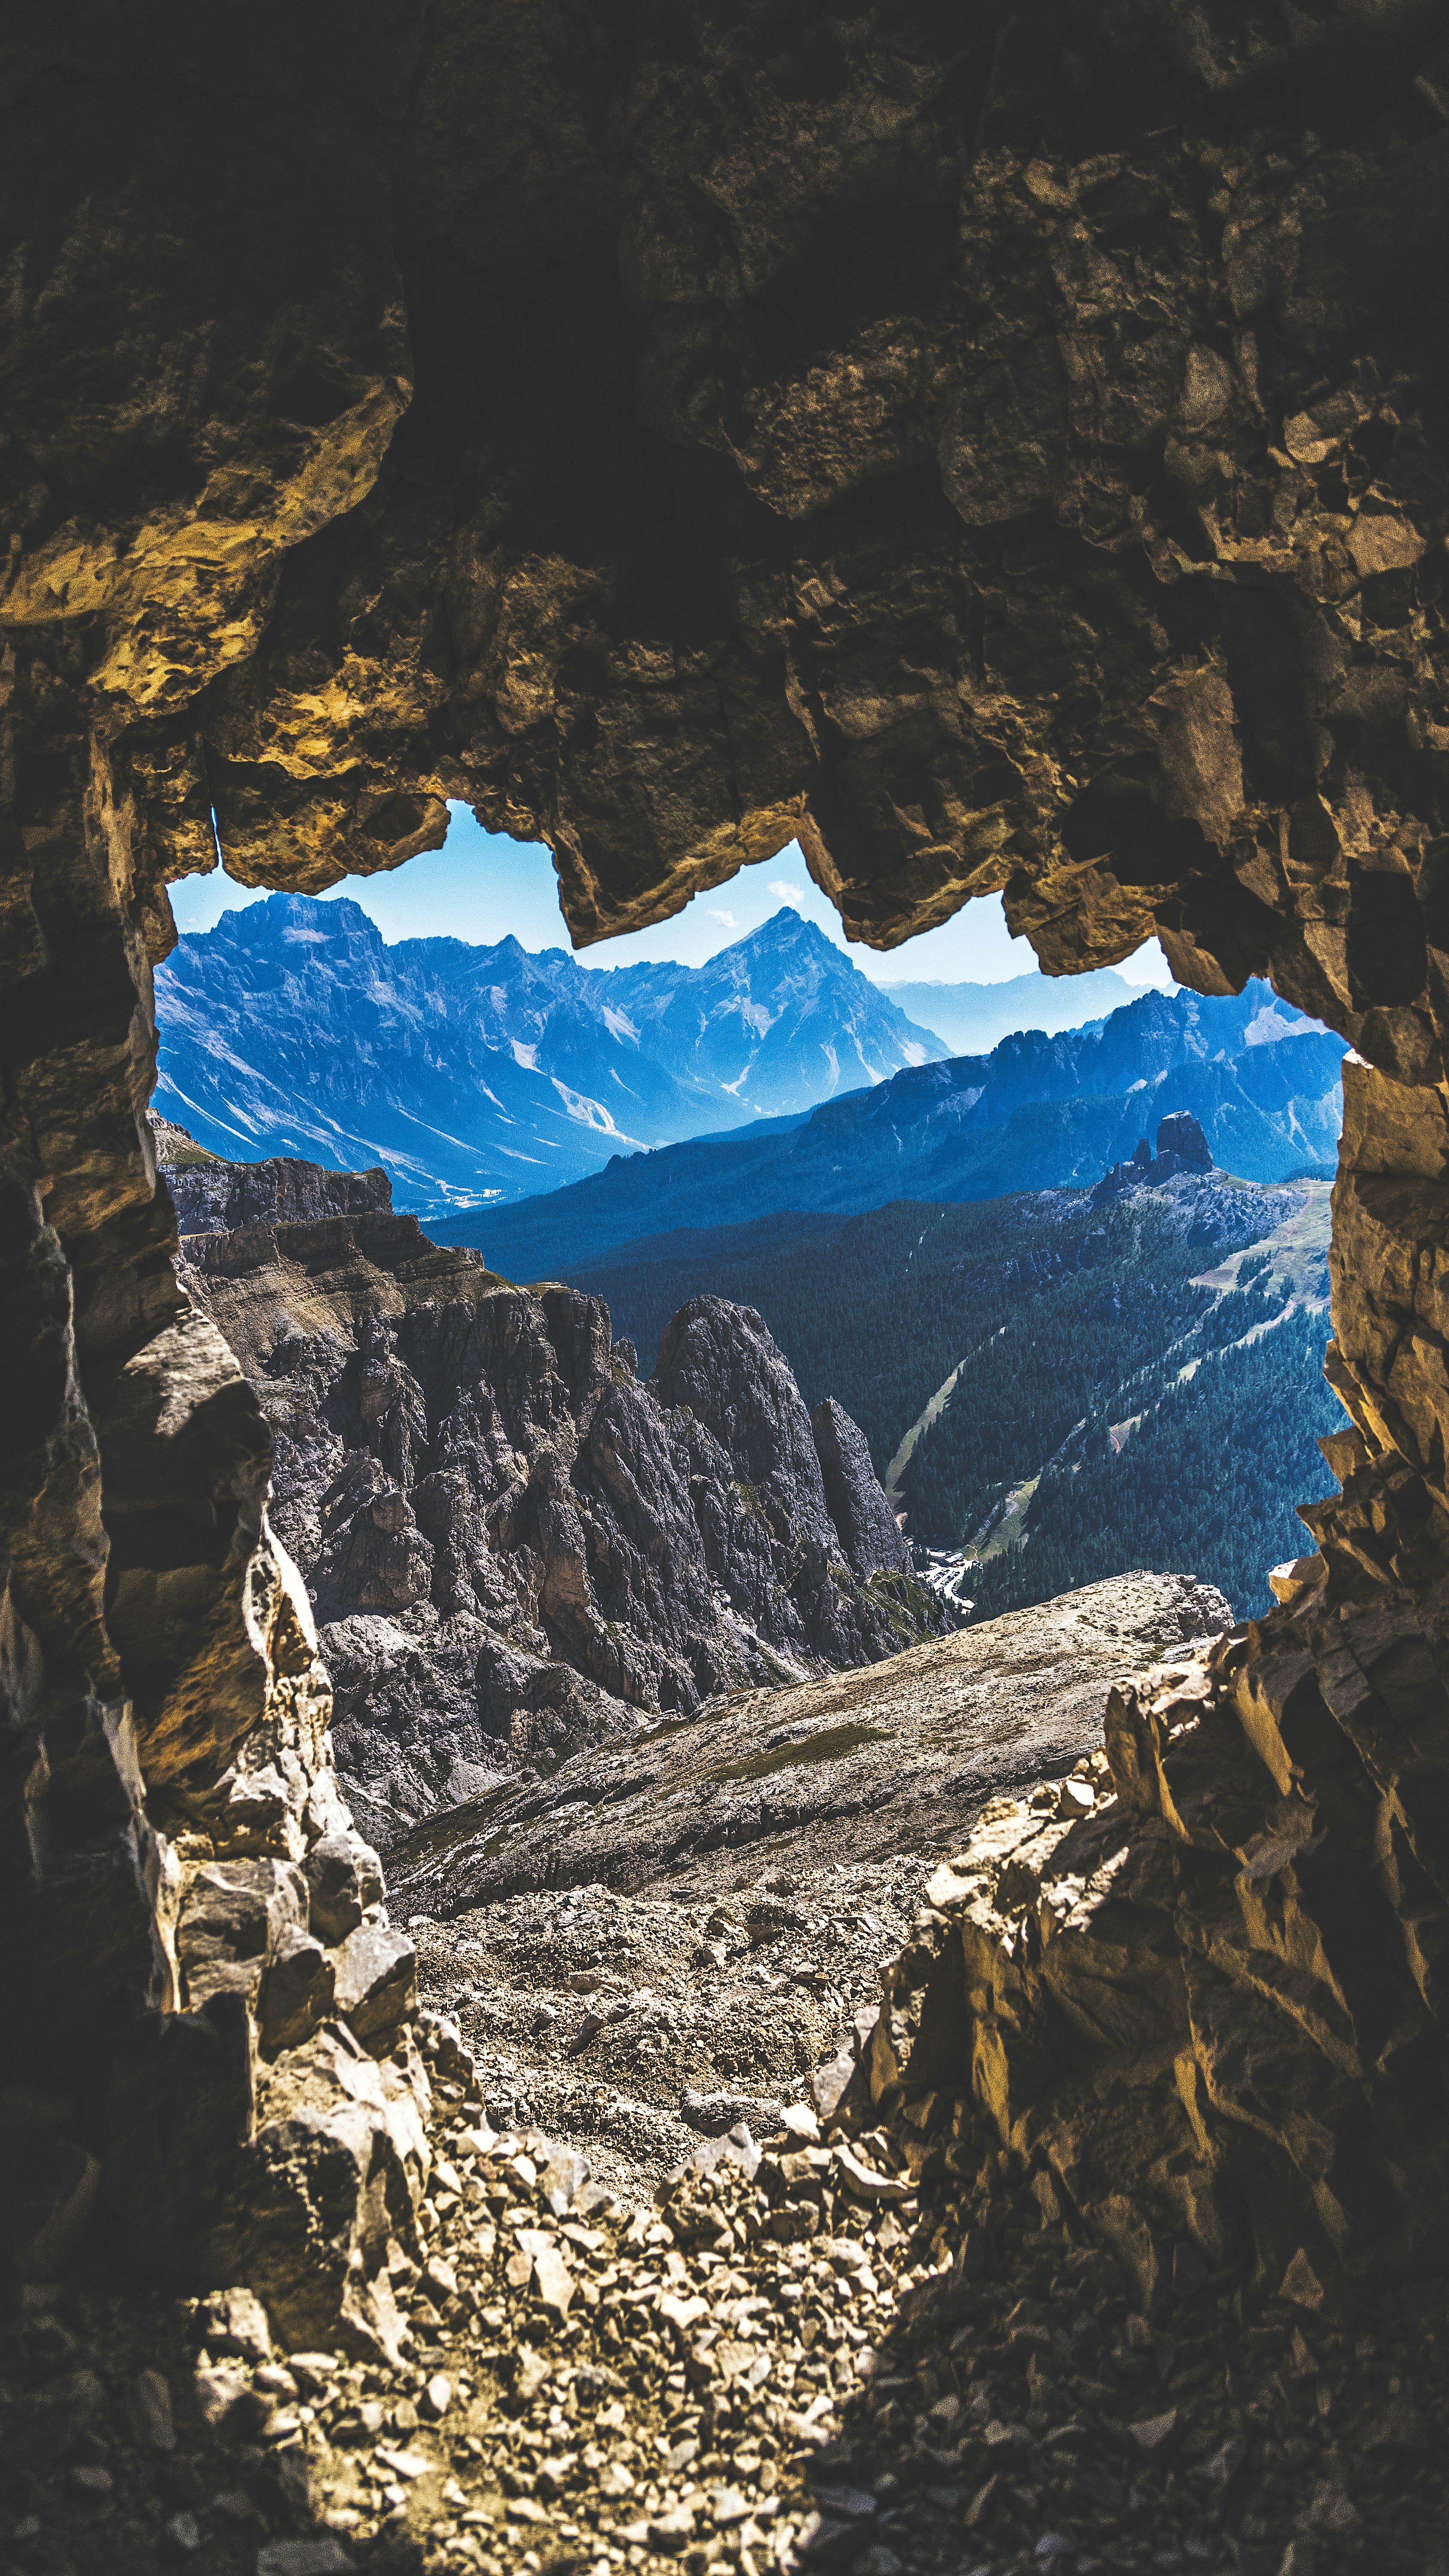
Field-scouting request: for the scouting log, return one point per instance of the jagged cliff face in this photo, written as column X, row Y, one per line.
column 214, row 1197
column 513, row 1547
column 1008, row 452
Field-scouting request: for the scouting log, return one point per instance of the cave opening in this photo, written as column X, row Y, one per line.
column 1072, row 529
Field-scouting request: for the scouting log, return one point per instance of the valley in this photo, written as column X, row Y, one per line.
column 1133, row 1383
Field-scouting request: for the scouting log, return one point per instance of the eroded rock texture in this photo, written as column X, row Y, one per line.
column 1007, row 449
column 213, row 1197
column 1197, row 1981
column 515, row 1548
column 1012, row 457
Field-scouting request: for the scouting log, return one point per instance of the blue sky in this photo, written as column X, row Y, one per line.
column 480, row 887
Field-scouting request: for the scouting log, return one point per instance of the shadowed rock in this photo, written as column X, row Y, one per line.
column 1007, row 462
column 1181, row 1135
column 853, row 1494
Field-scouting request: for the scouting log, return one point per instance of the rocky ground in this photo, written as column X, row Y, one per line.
column 831, row 2354
column 673, row 1934
column 851, row 1770
column 683, row 2296
column 634, row 2026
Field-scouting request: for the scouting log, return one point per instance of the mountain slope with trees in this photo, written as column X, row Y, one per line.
column 1037, row 1112
column 1133, row 1384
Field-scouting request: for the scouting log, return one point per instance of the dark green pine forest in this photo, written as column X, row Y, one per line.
column 1207, row 1484
column 1108, row 1410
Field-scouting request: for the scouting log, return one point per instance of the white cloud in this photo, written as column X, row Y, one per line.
column 787, row 893
column 727, row 918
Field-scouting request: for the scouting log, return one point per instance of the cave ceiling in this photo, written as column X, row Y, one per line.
column 1003, row 447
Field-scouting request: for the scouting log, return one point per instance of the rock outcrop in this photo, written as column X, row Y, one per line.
column 854, row 1496
column 1193, row 1993
column 1182, row 1136
column 1009, row 452
column 1181, row 1147
column 513, row 1546
column 211, row 1196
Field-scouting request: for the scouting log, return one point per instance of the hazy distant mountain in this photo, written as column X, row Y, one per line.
column 1036, row 1113
column 775, row 1023
column 481, row 1075
column 973, row 1018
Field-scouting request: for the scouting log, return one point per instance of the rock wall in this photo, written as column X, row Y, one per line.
column 1007, row 451
column 514, row 1547
column 1010, row 462
column 210, row 2046
column 214, row 1197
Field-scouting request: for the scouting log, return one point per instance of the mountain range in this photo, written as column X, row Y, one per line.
column 1038, row 1112
column 973, row 1018
column 479, row 1075
column 512, row 1544
column 1054, row 1387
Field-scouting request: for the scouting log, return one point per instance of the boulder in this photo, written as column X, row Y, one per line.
column 344, row 1882
column 297, row 1991
column 232, row 1917
column 235, row 2321
column 327, row 2185
column 376, row 1988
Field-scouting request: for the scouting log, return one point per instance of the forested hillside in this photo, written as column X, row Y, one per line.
column 1210, row 1479
column 1133, row 1385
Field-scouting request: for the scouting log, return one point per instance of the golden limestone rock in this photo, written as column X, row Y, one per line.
column 1007, row 463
